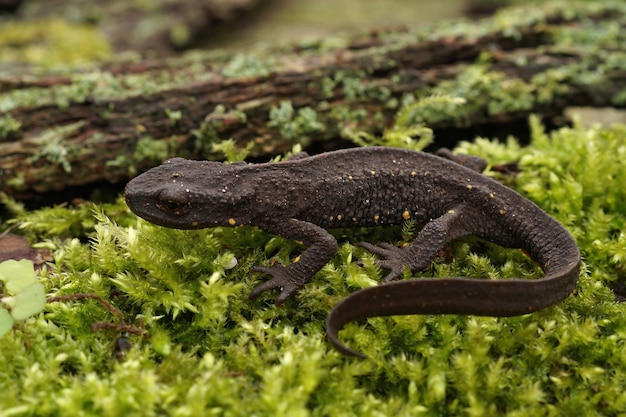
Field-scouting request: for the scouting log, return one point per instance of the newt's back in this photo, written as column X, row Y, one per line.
column 368, row 186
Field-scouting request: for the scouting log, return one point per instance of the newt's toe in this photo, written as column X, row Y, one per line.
column 280, row 279
column 394, row 258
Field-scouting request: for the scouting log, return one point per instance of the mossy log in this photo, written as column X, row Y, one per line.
column 110, row 122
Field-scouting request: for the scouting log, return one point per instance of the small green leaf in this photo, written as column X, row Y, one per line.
column 6, row 321
column 17, row 275
column 28, row 302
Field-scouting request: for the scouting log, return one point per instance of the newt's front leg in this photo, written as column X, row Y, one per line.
column 321, row 246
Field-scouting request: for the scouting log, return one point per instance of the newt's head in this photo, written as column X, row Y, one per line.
column 184, row 194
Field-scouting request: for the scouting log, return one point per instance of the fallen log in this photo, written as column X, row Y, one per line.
column 112, row 121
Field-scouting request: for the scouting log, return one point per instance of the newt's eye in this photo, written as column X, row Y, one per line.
column 176, row 205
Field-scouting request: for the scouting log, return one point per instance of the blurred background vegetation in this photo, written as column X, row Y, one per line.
column 53, row 32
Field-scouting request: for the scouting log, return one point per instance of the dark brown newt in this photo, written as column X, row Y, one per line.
column 300, row 198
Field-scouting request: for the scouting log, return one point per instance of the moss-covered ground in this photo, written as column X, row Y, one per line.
column 210, row 351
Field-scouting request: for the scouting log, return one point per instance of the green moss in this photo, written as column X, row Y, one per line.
column 207, row 135
column 431, row 110
column 214, row 352
column 620, row 99
column 51, row 43
column 230, row 150
column 487, row 91
column 9, row 127
column 247, row 65
column 293, row 124
column 354, row 85
column 475, row 90
column 18, row 181
column 174, row 116
column 147, row 150
column 53, row 148
column 347, row 118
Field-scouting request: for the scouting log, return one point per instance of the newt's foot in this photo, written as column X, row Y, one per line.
column 281, row 279
column 395, row 258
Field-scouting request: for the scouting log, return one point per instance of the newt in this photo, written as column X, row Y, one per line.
column 302, row 197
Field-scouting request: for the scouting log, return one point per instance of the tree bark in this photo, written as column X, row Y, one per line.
column 113, row 121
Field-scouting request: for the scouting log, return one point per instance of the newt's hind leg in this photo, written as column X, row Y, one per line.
column 418, row 255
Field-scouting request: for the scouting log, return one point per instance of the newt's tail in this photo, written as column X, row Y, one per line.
column 499, row 298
